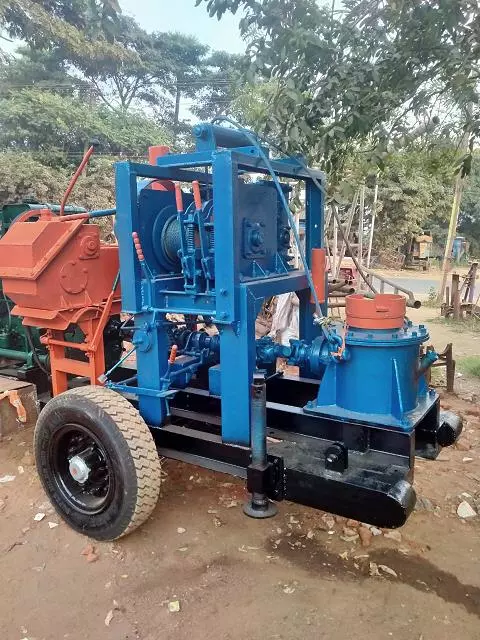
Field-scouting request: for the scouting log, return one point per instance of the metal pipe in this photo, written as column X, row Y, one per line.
column 344, row 288
column 12, row 354
column 101, row 213
column 74, row 178
column 222, row 136
column 411, row 302
column 23, row 356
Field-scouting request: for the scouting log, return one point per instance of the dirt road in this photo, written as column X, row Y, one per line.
column 303, row 575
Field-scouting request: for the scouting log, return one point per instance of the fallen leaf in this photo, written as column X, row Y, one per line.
column 180, row 530
column 52, row 525
column 38, row 517
column 87, row 550
column 7, row 479
column 92, row 557
column 109, row 618
column 174, row 606
column 388, row 570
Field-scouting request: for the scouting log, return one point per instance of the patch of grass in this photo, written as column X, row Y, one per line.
column 459, row 326
column 431, row 300
column 471, row 365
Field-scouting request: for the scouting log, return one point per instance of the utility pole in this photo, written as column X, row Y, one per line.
column 335, row 245
column 372, row 226
column 452, row 228
column 361, row 215
column 176, row 117
column 351, row 215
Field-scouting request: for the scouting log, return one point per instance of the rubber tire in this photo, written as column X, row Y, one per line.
column 128, row 442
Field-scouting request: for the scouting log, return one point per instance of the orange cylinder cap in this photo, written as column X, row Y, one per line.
column 384, row 311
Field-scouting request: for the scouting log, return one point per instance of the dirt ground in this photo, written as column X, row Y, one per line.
column 302, row 575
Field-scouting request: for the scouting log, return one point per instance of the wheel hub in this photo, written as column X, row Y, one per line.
column 79, row 469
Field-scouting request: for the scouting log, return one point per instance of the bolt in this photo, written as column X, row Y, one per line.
column 223, row 292
column 414, row 334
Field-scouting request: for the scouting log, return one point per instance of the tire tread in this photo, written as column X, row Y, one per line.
column 141, row 446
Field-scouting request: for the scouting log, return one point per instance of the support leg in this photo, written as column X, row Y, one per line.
column 259, row 506
column 57, row 353
column 237, row 363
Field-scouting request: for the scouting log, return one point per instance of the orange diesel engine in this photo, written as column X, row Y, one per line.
column 58, row 273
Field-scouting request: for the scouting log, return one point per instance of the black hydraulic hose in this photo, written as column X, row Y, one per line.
column 33, row 349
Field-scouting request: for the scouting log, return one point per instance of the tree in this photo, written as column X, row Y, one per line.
column 62, row 23
column 469, row 223
column 358, row 75
column 124, row 67
column 216, row 87
column 61, row 125
column 414, row 196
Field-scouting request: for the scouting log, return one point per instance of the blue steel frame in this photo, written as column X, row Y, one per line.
column 236, row 301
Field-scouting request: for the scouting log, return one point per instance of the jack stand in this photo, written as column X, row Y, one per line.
column 259, row 506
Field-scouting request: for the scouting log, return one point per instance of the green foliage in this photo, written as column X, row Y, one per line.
column 22, row 176
column 471, row 365
column 432, row 298
column 359, row 75
column 411, row 198
column 469, row 222
column 217, row 85
column 63, row 24
column 32, row 120
column 414, row 194
column 85, row 71
column 87, row 43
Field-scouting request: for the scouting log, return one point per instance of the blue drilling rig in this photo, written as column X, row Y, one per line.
column 203, row 239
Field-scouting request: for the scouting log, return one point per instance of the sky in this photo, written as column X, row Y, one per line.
column 185, row 17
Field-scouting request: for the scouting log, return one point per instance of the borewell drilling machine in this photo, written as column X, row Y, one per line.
column 200, row 244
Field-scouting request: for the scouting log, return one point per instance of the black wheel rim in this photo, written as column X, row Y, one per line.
column 93, row 495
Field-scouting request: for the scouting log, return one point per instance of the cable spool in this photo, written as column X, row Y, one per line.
column 166, row 239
